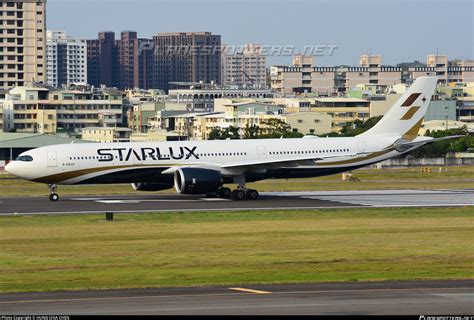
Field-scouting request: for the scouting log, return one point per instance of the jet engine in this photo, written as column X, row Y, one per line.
column 197, row 181
column 150, row 186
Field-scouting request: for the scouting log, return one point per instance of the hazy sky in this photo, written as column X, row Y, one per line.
column 400, row 31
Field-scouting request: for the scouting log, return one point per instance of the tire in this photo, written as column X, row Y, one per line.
column 54, row 197
column 238, row 195
column 225, row 193
column 252, row 194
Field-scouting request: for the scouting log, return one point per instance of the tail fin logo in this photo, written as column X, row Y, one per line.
column 410, row 113
column 412, row 98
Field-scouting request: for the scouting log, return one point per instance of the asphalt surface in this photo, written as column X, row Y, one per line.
column 268, row 200
column 420, row 298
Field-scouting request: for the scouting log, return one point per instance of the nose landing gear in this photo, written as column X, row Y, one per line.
column 53, row 196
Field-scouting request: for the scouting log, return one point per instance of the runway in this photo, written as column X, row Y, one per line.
column 419, row 298
column 149, row 202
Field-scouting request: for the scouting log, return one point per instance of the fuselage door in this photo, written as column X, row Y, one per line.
column 262, row 152
column 52, row 159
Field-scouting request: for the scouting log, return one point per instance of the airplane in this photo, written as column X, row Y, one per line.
column 204, row 167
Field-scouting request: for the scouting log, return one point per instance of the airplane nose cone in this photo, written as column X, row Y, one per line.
column 10, row 168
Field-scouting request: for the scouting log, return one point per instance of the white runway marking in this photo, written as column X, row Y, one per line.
column 393, row 198
column 463, row 296
column 113, row 201
column 250, row 290
column 117, row 201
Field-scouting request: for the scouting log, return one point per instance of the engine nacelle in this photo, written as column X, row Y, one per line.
column 150, row 186
column 197, row 181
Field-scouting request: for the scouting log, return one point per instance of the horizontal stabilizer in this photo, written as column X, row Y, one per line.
column 403, row 145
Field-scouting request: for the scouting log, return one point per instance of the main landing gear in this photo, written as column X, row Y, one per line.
column 53, row 196
column 237, row 194
column 240, row 193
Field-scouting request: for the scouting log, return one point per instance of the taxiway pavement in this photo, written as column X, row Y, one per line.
column 150, row 202
column 409, row 297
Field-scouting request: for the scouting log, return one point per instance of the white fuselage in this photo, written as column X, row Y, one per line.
column 84, row 163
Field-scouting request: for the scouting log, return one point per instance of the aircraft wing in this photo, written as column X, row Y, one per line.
column 288, row 162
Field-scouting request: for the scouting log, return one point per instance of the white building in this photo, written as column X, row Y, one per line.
column 66, row 59
column 22, row 42
column 245, row 67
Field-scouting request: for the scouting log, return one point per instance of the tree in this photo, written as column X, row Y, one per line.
column 352, row 129
column 215, row 134
column 251, row 132
column 441, row 148
column 274, row 128
column 222, row 134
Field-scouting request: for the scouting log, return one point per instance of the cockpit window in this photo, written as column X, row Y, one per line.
column 24, row 158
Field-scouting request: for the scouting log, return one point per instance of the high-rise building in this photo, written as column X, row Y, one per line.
column 102, row 60
column 127, row 48
column 145, row 68
column 244, row 68
column 22, row 42
column 125, row 63
column 135, row 61
column 66, row 59
column 187, row 57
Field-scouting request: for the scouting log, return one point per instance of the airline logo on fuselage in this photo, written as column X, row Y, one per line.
column 142, row 154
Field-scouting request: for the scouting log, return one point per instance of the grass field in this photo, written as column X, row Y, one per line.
column 43, row 253
column 460, row 177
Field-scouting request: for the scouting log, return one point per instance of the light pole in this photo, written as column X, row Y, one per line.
column 446, row 116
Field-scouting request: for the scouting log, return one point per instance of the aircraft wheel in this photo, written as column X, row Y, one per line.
column 54, row 197
column 251, row 194
column 238, row 194
column 225, row 193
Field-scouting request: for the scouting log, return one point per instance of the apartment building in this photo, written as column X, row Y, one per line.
column 145, row 75
column 102, row 60
column 34, row 109
column 202, row 99
column 198, row 125
column 26, row 110
column 243, row 115
column 1, row 116
column 22, row 43
column 135, row 62
column 304, row 77
column 461, row 71
column 466, row 109
column 187, row 57
column 244, row 67
column 114, row 63
column 66, row 59
column 106, row 134
column 341, row 110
